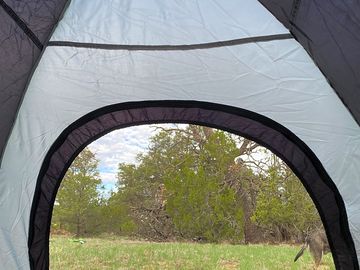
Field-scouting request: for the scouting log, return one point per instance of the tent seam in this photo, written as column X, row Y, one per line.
column 182, row 47
column 22, row 25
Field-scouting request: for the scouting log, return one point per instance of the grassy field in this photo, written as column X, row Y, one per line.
column 116, row 253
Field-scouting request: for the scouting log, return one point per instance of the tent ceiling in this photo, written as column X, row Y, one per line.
column 324, row 28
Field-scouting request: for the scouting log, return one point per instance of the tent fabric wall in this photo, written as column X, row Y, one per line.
column 275, row 78
column 238, row 121
column 330, row 32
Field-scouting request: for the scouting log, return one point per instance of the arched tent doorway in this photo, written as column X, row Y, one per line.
column 256, row 127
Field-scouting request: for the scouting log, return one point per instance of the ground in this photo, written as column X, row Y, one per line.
column 120, row 253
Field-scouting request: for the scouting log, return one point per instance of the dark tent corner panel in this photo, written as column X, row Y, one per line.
column 330, row 32
column 39, row 16
column 25, row 28
column 17, row 56
column 238, row 121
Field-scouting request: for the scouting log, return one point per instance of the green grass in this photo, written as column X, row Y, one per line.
column 117, row 253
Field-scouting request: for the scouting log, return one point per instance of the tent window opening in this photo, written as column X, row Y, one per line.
column 156, row 187
column 263, row 131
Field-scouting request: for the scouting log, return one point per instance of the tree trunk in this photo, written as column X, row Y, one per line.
column 78, row 227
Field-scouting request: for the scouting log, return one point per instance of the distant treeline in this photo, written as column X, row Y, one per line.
column 193, row 183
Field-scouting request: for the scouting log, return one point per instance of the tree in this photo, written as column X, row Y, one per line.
column 283, row 206
column 78, row 194
column 179, row 186
column 193, row 182
column 199, row 202
column 116, row 215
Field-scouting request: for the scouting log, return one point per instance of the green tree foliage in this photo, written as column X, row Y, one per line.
column 283, row 205
column 188, row 185
column 200, row 202
column 115, row 215
column 201, row 207
column 78, row 196
column 179, row 186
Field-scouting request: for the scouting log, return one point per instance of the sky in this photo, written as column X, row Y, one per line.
column 119, row 146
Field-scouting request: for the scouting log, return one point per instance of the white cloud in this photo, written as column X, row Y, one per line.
column 108, row 177
column 119, row 146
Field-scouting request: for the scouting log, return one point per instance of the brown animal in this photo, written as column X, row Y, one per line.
column 318, row 246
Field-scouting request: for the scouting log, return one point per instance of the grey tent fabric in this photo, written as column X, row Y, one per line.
column 24, row 28
column 323, row 27
column 330, row 32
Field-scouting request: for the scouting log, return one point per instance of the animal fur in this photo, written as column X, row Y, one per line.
column 318, row 246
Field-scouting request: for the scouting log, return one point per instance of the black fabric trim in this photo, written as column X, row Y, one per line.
column 21, row 24
column 216, row 44
column 294, row 12
column 88, row 128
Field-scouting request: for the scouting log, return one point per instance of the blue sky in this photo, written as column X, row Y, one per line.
column 121, row 145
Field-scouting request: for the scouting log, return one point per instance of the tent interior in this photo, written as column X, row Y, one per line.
column 285, row 74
